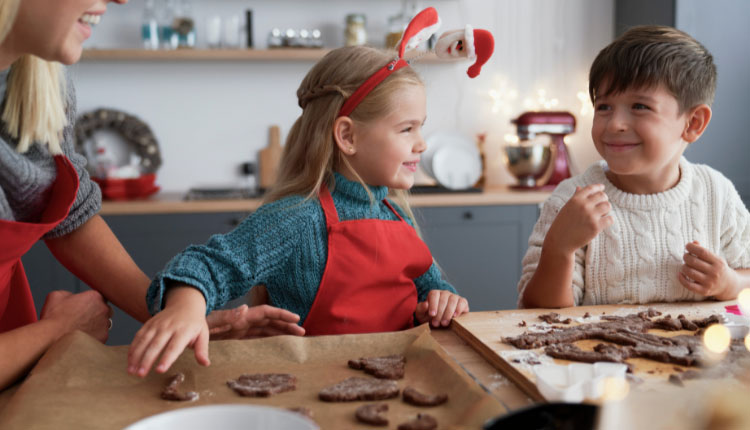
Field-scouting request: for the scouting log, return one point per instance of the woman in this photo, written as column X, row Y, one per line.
column 45, row 193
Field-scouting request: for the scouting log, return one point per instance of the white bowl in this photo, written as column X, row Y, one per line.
column 225, row 417
column 738, row 325
column 576, row 381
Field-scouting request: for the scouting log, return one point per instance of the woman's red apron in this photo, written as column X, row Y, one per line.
column 368, row 283
column 16, row 238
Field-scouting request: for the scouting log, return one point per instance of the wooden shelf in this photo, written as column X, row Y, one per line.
column 281, row 54
column 286, row 54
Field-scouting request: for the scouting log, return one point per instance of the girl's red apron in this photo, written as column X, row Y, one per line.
column 16, row 238
column 368, row 283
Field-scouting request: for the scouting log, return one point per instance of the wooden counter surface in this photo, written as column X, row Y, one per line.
column 166, row 203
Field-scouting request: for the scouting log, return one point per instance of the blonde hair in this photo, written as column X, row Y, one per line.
column 310, row 154
column 35, row 96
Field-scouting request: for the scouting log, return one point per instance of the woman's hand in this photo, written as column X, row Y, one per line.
column 181, row 323
column 441, row 307
column 85, row 311
column 580, row 220
column 707, row 274
column 247, row 322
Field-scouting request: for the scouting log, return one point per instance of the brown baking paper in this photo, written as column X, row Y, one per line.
column 80, row 383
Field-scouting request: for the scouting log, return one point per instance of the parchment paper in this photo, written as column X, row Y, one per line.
column 80, row 383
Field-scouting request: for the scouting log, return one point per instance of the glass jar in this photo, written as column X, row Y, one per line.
column 355, row 33
column 397, row 23
column 150, row 26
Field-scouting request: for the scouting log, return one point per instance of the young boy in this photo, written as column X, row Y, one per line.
column 643, row 225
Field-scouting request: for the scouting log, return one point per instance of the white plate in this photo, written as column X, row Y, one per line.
column 440, row 139
column 225, row 417
column 456, row 166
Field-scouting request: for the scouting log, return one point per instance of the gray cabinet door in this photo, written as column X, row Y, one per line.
column 152, row 240
column 480, row 249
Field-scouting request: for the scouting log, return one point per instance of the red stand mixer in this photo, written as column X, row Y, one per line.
column 557, row 125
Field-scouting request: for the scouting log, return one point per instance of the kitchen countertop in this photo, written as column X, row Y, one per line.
column 166, row 203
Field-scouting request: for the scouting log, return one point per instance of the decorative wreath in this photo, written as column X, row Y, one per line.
column 132, row 129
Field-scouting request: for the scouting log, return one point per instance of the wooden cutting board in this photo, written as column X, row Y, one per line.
column 269, row 158
column 484, row 332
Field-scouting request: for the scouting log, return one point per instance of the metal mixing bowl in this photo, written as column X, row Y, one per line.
column 527, row 162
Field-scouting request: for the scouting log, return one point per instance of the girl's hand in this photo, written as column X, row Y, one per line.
column 582, row 218
column 707, row 274
column 85, row 311
column 441, row 307
column 182, row 323
column 257, row 321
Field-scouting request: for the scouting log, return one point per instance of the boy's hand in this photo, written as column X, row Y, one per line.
column 707, row 274
column 246, row 322
column 441, row 307
column 182, row 323
column 582, row 218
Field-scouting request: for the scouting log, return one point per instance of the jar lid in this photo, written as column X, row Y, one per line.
column 355, row 17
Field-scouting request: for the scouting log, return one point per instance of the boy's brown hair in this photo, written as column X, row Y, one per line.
column 650, row 55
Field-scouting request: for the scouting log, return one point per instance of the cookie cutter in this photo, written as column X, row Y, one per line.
column 576, row 381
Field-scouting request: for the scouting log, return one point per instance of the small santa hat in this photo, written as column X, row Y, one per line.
column 479, row 46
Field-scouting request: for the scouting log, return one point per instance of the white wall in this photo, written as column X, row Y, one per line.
column 211, row 116
column 721, row 26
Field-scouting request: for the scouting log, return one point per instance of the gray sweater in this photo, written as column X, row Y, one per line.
column 26, row 179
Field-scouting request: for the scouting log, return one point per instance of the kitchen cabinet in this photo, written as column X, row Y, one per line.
column 150, row 239
column 479, row 249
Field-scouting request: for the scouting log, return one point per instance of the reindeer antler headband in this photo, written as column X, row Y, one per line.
column 476, row 45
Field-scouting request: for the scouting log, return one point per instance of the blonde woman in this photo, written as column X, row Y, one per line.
column 45, row 193
column 328, row 244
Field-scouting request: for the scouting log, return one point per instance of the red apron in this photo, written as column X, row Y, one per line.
column 368, row 283
column 16, row 238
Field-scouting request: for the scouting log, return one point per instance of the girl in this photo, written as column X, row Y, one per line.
column 327, row 245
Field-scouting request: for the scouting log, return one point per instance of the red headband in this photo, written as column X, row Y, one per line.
column 370, row 84
column 420, row 28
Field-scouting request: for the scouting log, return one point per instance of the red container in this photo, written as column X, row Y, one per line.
column 127, row 189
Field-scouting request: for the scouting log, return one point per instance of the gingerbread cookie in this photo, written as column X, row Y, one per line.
column 387, row 367
column 373, row 414
column 263, row 384
column 416, row 398
column 352, row 389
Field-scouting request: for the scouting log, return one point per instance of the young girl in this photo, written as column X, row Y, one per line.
column 328, row 244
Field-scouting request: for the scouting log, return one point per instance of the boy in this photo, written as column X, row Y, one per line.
column 643, row 225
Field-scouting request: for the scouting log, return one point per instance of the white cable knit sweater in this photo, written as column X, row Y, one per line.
column 637, row 259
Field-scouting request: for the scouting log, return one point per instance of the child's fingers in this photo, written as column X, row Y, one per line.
column 201, row 348
column 151, row 352
column 433, row 302
column 442, row 304
column 695, row 275
column 589, row 190
column 462, row 308
column 701, row 252
column 696, row 263
column 691, row 285
column 450, row 310
column 138, row 347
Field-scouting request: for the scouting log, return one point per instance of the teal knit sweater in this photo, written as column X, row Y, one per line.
column 283, row 245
